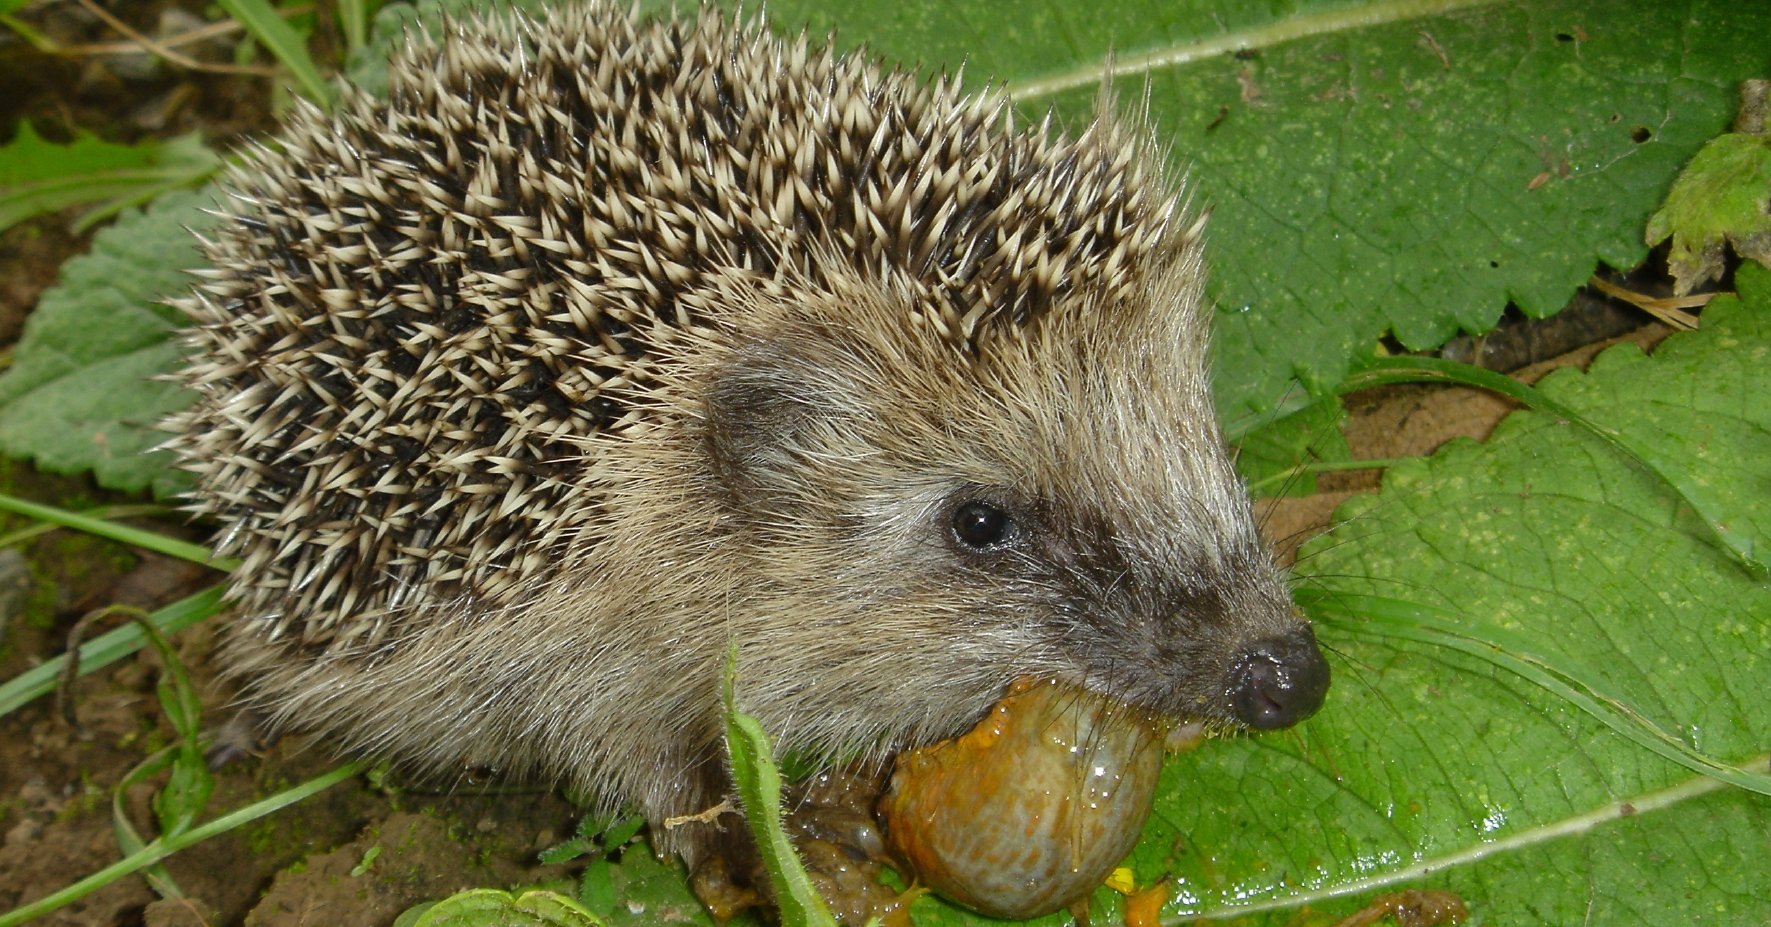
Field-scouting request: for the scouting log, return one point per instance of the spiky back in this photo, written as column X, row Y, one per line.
column 423, row 303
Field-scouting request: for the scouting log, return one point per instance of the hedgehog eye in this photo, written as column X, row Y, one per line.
column 981, row 526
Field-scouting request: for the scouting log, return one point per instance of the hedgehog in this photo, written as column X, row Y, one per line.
column 601, row 345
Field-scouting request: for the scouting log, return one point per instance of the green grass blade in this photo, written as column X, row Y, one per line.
column 267, row 27
column 103, row 513
column 122, row 534
column 128, row 838
column 353, row 15
column 108, row 648
column 160, row 849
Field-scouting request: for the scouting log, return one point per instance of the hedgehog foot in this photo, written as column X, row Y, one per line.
column 246, row 733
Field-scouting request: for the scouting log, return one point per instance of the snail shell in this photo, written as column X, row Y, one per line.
column 1031, row 809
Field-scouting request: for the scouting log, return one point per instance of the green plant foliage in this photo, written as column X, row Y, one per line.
column 181, row 800
column 107, row 648
column 758, row 783
column 593, row 838
column 38, row 176
column 289, row 47
column 1268, row 452
column 82, row 394
column 1692, row 490
column 598, row 841
column 643, row 891
column 1723, row 198
column 485, row 907
column 163, row 846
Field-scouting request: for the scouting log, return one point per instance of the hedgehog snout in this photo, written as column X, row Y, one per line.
column 1275, row 682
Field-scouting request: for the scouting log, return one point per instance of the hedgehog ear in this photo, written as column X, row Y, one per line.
column 757, row 407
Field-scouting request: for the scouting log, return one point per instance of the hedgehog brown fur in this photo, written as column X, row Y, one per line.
column 601, row 344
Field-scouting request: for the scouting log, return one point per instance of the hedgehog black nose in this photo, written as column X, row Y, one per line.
column 1278, row 681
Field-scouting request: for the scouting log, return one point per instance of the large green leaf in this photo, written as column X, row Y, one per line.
column 81, row 394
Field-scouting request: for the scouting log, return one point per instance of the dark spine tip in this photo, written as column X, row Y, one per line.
column 1278, row 681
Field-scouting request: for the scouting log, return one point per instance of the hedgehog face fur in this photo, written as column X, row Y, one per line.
column 601, row 344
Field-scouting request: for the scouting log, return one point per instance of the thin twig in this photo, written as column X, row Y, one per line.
column 167, row 52
column 202, row 33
